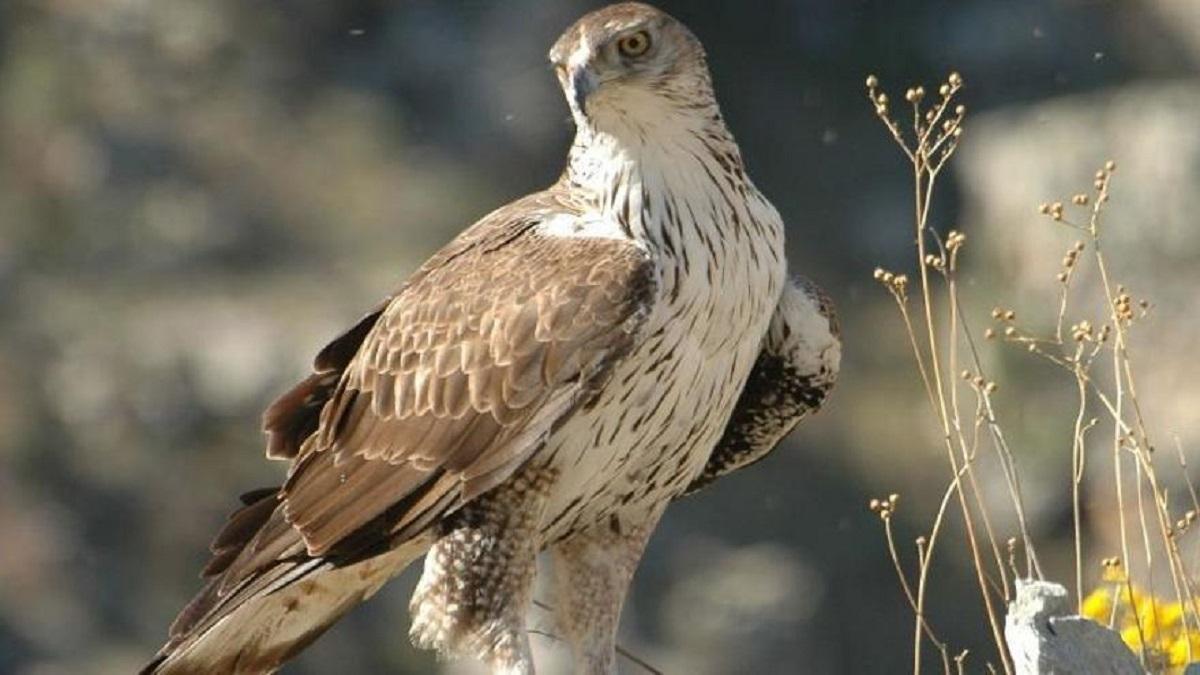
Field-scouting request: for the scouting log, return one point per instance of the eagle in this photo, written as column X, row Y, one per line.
column 544, row 385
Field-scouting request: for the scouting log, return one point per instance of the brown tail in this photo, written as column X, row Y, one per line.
column 256, row 613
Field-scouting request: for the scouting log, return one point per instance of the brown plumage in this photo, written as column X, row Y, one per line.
column 484, row 349
column 548, row 381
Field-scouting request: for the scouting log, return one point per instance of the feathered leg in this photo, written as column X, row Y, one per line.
column 592, row 571
column 478, row 578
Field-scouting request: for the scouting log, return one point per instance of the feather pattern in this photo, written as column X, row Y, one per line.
column 796, row 368
column 409, row 405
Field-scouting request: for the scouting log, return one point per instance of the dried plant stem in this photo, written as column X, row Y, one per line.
column 1124, row 380
column 1076, row 354
column 925, row 561
column 1183, row 469
column 922, row 626
column 968, row 451
column 935, row 138
column 1140, row 630
column 1115, row 409
column 1077, row 466
column 925, row 177
column 1007, row 459
column 1129, row 433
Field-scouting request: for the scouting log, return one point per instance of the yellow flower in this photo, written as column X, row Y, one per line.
column 1168, row 615
column 1160, row 619
column 1132, row 596
column 1097, row 606
column 1132, row 637
column 1146, row 616
column 1140, row 616
column 1177, row 654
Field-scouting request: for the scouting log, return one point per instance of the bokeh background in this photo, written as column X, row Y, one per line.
column 196, row 194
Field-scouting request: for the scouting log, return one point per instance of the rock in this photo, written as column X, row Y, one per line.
column 1044, row 637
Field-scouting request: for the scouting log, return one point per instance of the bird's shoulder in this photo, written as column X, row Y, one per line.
column 548, row 239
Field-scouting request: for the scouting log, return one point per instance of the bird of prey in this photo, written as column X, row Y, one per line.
column 546, row 383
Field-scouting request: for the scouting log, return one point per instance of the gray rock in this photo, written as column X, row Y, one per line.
column 1044, row 637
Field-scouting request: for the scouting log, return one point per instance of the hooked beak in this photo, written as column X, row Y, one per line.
column 583, row 83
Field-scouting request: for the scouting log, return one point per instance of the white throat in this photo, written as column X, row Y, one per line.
column 683, row 194
column 656, row 183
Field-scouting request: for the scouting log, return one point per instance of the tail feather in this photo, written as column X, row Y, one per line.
column 242, row 526
column 277, row 614
column 254, row 615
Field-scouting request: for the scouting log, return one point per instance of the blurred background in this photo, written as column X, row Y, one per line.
column 196, row 194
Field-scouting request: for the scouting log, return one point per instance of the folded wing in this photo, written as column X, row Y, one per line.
column 433, row 398
column 795, row 370
column 463, row 374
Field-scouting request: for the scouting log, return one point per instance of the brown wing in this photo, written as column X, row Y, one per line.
column 431, row 399
column 293, row 417
column 461, row 375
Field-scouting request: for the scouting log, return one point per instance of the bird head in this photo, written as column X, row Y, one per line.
column 631, row 66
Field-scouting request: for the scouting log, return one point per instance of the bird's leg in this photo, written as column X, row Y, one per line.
column 478, row 578
column 592, row 571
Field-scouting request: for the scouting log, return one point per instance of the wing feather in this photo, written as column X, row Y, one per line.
column 462, row 373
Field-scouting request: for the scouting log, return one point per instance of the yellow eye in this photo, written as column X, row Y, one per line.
column 634, row 44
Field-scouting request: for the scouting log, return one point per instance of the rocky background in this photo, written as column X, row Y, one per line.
column 196, row 194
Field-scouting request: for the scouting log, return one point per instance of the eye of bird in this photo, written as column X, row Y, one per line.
column 634, row 44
